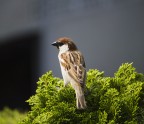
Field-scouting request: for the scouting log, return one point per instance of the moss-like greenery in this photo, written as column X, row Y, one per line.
column 9, row 116
column 110, row 100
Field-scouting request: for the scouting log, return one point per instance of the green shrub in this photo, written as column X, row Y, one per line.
column 8, row 116
column 110, row 100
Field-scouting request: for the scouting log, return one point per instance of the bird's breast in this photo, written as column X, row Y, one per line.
column 65, row 74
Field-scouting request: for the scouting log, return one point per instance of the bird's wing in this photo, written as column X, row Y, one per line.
column 74, row 63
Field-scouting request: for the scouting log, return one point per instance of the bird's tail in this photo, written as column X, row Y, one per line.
column 80, row 98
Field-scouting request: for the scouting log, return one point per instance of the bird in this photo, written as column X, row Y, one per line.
column 73, row 68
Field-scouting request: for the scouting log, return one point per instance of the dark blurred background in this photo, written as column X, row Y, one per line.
column 108, row 33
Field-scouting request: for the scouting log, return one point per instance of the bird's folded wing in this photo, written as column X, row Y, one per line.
column 74, row 63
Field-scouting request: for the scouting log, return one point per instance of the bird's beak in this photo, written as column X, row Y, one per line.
column 55, row 43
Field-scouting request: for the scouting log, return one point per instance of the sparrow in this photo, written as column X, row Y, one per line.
column 73, row 68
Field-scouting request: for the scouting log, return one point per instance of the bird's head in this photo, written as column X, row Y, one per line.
column 65, row 44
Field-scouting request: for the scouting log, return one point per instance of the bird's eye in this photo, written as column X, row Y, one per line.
column 60, row 43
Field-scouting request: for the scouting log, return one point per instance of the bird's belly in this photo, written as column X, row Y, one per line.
column 65, row 75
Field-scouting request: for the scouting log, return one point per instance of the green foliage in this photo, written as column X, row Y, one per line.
column 8, row 116
column 110, row 100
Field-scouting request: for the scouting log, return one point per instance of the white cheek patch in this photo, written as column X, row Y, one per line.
column 63, row 48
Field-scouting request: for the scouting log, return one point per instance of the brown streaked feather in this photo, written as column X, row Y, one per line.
column 66, row 66
column 73, row 62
